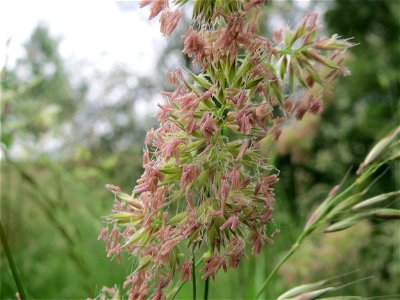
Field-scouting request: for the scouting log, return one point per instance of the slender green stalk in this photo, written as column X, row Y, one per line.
column 326, row 207
column 13, row 267
column 320, row 215
column 307, row 231
column 206, row 288
column 48, row 205
column 194, row 277
column 278, row 265
column 177, row 291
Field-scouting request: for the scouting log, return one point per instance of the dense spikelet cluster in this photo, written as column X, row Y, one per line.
column 206, row 191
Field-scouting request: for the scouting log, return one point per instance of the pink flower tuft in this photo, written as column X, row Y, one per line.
column 103, row 234
column 258, row 240
column 263, row 110
column 143, row 3
column 148, row 181
column 170, row 148
column 237, row 252
column 235, row 178
column 278, row 35
column 168, row 21
column 168, row 245
column 252, row 3
column 232, row 223
column 149, row 136
column 228, row 40
column 207, row 125
column 174, row 77
column 189, row 174
column 207, row 94
column 315, row 106
column 191, row 126
column 240, row 98
column 243, row 121
column 224, row 190
column 188, row 102
column 242, row 150
column 157, row 7
column 146, row 157
column 300, row 111
column 212, row 266
column 195, row 45
column 186, row 270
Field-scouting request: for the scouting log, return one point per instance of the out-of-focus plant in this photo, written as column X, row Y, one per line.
column 345, row 207
column 206, row 190
column 44, row 189
column 11, row 262
column 317, row 289
column 366, row 104
column 361, row 108
column 16, row 123
column 39, row 82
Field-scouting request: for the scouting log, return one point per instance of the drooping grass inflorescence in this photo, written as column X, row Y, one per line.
column 346, row 207
column 206, row 191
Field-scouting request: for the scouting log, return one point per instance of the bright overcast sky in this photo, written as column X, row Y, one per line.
column 94, row 30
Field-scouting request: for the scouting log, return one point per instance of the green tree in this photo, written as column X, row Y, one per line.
column 38, row 96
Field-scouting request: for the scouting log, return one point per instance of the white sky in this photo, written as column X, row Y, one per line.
column 94, row 30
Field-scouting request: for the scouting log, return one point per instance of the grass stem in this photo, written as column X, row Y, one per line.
column 13, row 266
column 206, row 288
column 194, row 276
column 326, row 207
column 276, row 268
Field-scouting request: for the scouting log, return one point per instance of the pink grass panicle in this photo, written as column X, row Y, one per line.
column 206, row 188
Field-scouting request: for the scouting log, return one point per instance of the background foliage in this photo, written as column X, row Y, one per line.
column 60, row 148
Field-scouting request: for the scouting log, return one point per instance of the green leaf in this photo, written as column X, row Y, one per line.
column 375, row 200
column 302, row 289
column 175, row 170
column 178, row 218
column 298, row 72
column 347, row 223
column 144, row 261
column 137, row 236
column 201, row 81
column 379, row 148
column 386, row 213
column 6, row 139
column 291, row 75
column 253, row 83
column 313, row 73
column 120, row 216
column 315, row 294
column 343, row 298
column 283, row 66
column 345, row 205
column 242, row 71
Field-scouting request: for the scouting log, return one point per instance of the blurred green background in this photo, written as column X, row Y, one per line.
column 59, row 148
